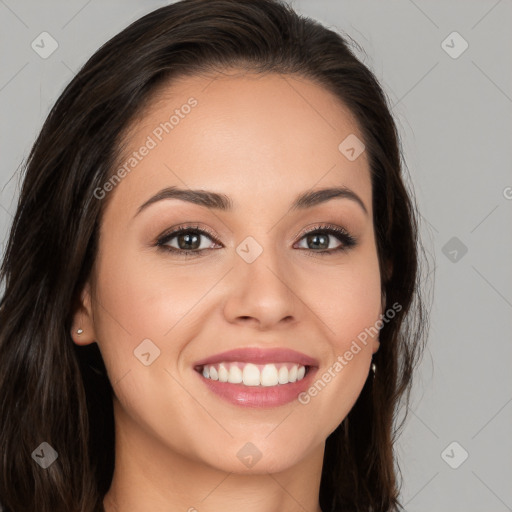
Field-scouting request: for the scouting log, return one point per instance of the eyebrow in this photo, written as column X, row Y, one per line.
column 222, row 202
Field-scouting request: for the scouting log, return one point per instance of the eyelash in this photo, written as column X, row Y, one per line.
column 348, row 241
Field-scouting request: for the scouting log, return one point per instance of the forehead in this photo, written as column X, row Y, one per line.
column 249, row 136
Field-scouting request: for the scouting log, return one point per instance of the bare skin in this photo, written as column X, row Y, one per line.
column 261, row 140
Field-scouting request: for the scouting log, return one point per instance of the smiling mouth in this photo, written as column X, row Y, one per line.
column 254, row 375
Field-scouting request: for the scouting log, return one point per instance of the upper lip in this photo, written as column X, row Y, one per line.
column 260, row 356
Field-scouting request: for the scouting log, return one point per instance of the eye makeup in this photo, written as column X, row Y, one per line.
column 193, row 233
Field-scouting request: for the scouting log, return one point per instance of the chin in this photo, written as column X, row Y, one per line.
column 260, row 456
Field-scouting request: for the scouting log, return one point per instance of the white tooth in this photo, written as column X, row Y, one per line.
column 235, row 374
column 223, row 373
column 251, row 375
column 292, row 373
column 213, row 373
column 206, row 373
column 301, row 372
column 283, row 375
column 269, row 375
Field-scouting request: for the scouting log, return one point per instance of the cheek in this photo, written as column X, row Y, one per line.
column 146, row 309
column 339, row 382
column 358, row 300
column 136, row 302
column 348, row 303
column 142, row 300
column 347, row 299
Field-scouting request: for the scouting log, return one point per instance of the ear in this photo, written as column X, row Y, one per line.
column 83, row 319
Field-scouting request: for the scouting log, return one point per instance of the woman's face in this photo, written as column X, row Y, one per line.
column 256, row 281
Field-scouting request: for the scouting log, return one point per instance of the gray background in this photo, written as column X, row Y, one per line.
column 455, row 119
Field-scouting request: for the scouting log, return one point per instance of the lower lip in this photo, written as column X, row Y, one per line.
column 259, row 396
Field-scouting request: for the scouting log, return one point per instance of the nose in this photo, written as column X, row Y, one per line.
column 261, row 293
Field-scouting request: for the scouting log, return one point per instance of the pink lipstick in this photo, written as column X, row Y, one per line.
column 255, row 377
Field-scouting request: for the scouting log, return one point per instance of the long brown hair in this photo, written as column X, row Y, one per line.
column 52, row 390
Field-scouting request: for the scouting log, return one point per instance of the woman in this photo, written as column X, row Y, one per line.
column 211, row 282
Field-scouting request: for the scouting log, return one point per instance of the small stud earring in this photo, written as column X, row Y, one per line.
column 79, row 331
column 374, row 369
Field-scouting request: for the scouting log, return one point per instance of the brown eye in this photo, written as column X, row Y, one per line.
column 186, row 240
column 319, row 239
